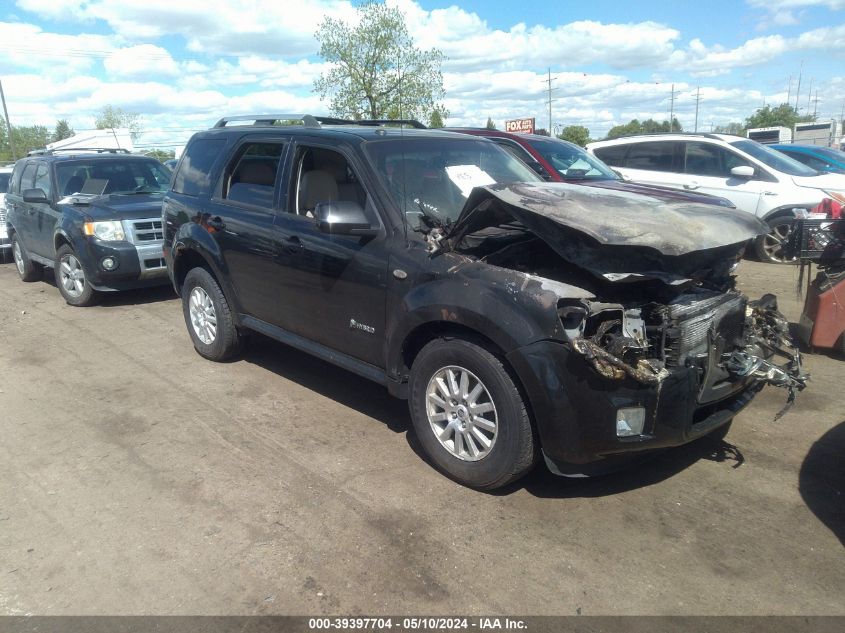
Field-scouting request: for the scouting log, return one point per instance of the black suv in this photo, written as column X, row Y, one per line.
column 94, row 217
column 520, row 318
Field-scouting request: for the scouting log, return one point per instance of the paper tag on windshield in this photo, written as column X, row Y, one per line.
column 467, row 177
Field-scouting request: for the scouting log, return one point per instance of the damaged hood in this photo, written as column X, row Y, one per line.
column 613, row 233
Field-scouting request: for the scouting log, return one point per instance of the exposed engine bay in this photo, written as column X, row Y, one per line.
column 677, row 307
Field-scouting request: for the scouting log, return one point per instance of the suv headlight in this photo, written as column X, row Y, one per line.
column 109, row 231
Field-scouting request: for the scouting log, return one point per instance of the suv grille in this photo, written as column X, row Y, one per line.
column 691, row 319
column 147, row 231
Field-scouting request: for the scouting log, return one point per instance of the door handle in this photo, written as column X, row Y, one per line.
column 691, row 185
column 291, row 245
column 216, row 224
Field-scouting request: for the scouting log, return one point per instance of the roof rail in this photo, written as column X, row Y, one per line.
column 412, row 122
column 71, row 150
column 704, row 134
column 314, row 121
column 269, row 119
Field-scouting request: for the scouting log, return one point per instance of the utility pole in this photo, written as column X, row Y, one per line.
column 798, row 90
column 549, row 82
column 8, row 123
column 672, row 109
column 816, row 108
column 809, row 94
column 789, row 90
column 697, row 99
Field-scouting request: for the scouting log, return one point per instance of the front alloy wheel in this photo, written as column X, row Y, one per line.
column 71, row 280
column 461, row 413
column 772, row 247
column 468, row 414
column 203, row 316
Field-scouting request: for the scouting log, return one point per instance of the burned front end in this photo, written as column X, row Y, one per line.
column 657, row 347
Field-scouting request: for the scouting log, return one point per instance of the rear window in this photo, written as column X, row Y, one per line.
column 4, row 182
column 251, row 176
column 194, row 175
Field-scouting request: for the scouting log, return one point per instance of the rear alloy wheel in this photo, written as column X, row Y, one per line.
column 772, row 246
column 70, row 279
column 469, row 416
column 27, row 269
column 208, row 317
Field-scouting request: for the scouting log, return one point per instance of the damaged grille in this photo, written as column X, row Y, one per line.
column 691, row 318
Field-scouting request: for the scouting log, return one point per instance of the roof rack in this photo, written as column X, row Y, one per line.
column 71, row 150
column 704, row 134
column 311, row 121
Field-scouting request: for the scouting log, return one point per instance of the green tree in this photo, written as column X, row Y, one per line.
column 490, row 124
column 784, row 115
column 63, row 130
column 111, row 117
column 376, row 71
column 734, row 127
column 26, row 138
column 436, row 119
column 649, row 126
column 160, row 155
column 577, row 134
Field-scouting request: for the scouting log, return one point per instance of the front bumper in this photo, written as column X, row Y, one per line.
column 137, row 266
column 575, row 408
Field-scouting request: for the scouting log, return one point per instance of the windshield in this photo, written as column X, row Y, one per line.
column 572, row 162
column 4, row 182
column 774, row 159
column 433, row 177
column 112, row 177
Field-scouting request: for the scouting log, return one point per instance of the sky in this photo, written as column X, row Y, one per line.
column 182, row 64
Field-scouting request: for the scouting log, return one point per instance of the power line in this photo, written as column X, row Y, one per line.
column 549, row 82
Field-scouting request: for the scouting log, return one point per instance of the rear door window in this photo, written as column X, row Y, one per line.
column 250, row 178
column 652, row 156
column 194, row 175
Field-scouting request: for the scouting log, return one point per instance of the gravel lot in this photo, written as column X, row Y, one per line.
column 138, row 478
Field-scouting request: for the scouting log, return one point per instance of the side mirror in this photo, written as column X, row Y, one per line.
column 343, row 217
column 34, row 195
column 742, row 171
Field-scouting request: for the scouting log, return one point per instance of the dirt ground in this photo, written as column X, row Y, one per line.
column 138, row 478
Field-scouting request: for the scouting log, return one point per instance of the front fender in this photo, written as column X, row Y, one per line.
column 193, row 241
column 510, row 308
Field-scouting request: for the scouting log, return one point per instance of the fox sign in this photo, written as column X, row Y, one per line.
column 525, row 126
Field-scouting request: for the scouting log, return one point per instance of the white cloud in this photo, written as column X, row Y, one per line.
column 141, row 61
column 27, row 46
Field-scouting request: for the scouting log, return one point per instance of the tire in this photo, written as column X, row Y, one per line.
column 27, row 269
column 770, row 247
column 209, row 318
column 71, row 280
column 511, row 449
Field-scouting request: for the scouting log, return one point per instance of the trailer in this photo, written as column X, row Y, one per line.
column 770, row 135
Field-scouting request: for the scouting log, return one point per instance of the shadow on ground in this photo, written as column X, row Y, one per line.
column 136, row 296
column 329, row 381
column 373, row 400
column 822, row 480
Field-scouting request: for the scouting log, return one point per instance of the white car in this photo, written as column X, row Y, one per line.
column 5, row 245
column 756, row 178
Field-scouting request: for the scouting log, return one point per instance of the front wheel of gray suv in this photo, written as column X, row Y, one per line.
column 71, row 279
column 209, row 318
column 469, row 415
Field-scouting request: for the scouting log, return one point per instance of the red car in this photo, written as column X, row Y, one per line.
column 556, row 160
